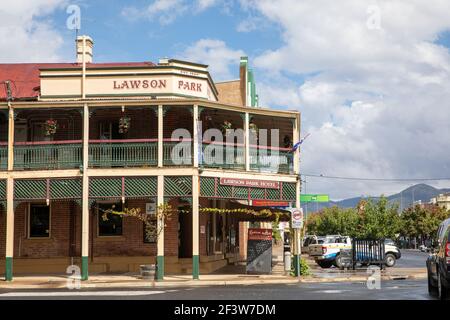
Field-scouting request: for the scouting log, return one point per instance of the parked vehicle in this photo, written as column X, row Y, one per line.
column 328, row 253
column 438, row 263
column 325, row 254
column 309, row 240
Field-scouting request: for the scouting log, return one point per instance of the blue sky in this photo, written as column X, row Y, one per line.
column 370, row 77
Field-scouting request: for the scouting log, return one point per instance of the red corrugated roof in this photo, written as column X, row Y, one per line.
column 25, row 80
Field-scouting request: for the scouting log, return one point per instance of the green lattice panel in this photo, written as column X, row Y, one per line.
column 177, row 186
column 105, row 187
column 240, row 193
column 288, row 191
column 65, row 189
column 224, row 191
column 141, row 187
column 257, row 193
column 2, row 189
column 30, row 189
column 273, row 194
column 207, row 187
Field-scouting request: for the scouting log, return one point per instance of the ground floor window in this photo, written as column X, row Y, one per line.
column 109, row 224
column 39, row 221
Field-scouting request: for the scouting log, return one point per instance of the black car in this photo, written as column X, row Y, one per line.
column 438, row 263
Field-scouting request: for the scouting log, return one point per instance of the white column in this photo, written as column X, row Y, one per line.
column 10, row 138
column 296, row 138
column 160, row 228
column 160, row 135
column 85, row 195
column 247, row 141
column 195, row 136
column 9, row 229
column 195, row 227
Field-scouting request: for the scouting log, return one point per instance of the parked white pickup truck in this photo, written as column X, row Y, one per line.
column 328, row 253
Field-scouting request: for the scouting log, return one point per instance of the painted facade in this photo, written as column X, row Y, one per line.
column 77, row 138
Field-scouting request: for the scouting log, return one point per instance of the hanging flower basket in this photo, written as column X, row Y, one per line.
column 50, row 127
column 226, row 125
column 124, row 124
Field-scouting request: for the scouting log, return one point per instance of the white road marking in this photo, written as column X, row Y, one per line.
column 79, row 293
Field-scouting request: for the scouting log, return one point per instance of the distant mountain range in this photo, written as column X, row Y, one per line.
column 404, row 198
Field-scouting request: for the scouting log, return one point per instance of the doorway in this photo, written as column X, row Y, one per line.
column 185, row 233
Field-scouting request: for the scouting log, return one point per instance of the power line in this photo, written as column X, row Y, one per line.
column 373, row 179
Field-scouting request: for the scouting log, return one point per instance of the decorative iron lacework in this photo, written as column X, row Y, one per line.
column 66, row 189
column 30, row 189
column 177, row 186
column 211, row 188
column 2, row 190
column 128, row 187
column 52, row 189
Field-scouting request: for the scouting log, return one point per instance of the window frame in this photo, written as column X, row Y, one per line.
column 42, row 204
column 98, row 219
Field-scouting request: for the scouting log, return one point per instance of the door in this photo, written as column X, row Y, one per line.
column 185, row 234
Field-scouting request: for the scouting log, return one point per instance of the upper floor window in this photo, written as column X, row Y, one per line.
column 39, row 221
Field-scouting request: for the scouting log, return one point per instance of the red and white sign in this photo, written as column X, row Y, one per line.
column 297, row 218
column 266, row 203
column 259, row 234
column 250, row 183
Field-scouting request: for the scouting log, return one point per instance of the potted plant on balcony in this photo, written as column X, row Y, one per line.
column 154, row 224
column 124, row 124
column 226, row 127
column 50, row 127
column 254, row 130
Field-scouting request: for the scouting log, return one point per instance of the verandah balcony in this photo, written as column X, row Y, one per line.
column 48, row 155
column 271, row 159
column 222, row 155
column 123, row 153
column 3, row 156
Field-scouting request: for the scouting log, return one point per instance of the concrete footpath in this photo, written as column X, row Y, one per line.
column 134, row 281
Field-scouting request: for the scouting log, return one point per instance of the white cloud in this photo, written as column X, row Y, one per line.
column 26, row 34
column 374, row 100
column 167, row 11
column 217, row 55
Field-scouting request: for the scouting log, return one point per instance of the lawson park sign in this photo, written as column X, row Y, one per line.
column 250, row 183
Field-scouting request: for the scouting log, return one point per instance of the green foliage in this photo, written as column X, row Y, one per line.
column 368, row 220
column 421, row 221
column 304, row 268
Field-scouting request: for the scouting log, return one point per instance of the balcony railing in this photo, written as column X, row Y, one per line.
column 177, row 152
column 3, row 156
column 47, row 155
column 271, row 160
column 123, row 153
column 222, row 155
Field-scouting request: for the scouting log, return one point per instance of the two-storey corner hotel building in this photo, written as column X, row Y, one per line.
column 77, row 139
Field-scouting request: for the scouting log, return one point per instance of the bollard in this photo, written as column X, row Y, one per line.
column 287, row 261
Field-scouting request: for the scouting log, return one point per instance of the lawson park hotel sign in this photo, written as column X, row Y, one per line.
column 169, row 78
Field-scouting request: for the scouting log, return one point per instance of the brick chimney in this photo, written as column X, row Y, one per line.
column 89, row 44
column 243, row 70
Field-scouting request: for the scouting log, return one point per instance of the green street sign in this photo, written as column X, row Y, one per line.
column 314, row 198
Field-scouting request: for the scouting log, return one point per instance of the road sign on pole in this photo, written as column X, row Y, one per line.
column 314, row 198
column 297, row 218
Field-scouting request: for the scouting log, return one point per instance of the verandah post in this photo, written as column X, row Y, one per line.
column 85, row 197
column 160, row 235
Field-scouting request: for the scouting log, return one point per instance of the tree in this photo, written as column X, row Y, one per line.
column 378, row 219
column 422, row 222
